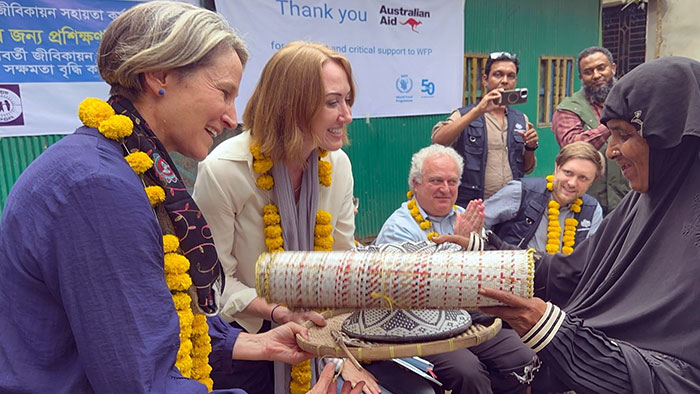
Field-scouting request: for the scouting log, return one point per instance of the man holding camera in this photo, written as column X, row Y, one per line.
column 577, row 118
column 497, row 142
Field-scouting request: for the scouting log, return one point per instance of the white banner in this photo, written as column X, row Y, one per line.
column 407, row 55
column 48, row 62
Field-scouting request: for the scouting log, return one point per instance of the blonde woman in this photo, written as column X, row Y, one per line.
column 288, row 168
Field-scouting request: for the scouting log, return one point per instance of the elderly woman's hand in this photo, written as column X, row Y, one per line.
column 327, row 385
column 521, row 313
column 460, row 240
column 471, row 220
column 285, row 315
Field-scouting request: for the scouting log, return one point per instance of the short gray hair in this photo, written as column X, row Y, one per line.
column 161, row 35
column 591, row 50
column 432, row 151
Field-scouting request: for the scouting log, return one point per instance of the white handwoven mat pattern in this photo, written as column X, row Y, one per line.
column 360, row 280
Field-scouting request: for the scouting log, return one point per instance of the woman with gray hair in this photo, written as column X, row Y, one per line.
column 106, row 287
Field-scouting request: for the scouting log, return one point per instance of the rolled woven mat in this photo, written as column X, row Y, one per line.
column 361, row 280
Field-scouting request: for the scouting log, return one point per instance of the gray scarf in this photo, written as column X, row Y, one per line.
column 298, row 221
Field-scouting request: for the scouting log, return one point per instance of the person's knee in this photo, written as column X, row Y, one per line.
column 462, row 372
column 469, row 369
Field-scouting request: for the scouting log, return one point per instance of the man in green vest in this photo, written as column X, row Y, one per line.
column 577, row 118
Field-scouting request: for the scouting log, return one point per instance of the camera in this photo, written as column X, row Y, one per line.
column 515, row 96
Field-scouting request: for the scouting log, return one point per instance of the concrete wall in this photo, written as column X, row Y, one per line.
column 672, row 29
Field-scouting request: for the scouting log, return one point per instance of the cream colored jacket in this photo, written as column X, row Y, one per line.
column 231, row 202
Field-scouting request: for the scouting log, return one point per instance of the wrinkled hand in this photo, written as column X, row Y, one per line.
column 301, row 317
column 521, row 313
column 489, row 101
column 352, row 375
column 471, row 220
column 327, row 385
column 530, row 135
column 454, row 238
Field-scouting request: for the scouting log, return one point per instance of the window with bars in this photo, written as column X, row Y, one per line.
column 474, row 64
column 556, row 81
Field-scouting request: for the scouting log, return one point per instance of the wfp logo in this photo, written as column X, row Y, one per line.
column 404, row 83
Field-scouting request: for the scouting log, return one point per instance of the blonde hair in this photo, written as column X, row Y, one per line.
column 582, row 150
column 161, row 35
column 288, row 95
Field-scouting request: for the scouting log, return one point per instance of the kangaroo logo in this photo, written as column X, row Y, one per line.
column 413, row 23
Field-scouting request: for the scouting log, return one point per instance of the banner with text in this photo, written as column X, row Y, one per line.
column 407, row 55
column 48, row 61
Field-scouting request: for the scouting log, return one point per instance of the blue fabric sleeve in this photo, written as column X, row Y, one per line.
column 596, row 220
column 223, row 337
column 503, row 206
column 110, row 281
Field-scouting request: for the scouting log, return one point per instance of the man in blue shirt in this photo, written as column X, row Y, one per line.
column 550, row 214
column 433, row 181
column 499, row 365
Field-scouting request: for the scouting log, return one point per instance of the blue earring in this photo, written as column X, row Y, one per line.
column 161, row 92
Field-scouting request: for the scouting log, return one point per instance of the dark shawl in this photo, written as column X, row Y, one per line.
column 636, row 278
column 187, row 220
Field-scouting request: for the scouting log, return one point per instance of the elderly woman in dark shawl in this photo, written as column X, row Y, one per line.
column 621, row 312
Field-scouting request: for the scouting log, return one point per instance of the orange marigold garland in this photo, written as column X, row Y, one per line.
column 195, row 344
column 424, row 224
column 323, row 239
column 554, row 228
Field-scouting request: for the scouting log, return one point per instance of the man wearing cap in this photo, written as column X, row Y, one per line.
column 496, row 142
column 577, row 118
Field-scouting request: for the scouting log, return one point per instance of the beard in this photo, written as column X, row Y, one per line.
column 597, row 95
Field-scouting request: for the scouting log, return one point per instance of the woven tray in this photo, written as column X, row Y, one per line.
column 322, row 343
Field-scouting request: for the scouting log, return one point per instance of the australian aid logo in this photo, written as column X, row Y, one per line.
column 403, row 17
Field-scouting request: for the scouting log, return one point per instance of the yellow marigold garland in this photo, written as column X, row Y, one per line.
column 195, row 344
column 323, row 239
column 93, row 111
column 170, row 243
column 554, row 228
column 423, row 223
column 116, row 127
column 156, row 195
column 324, row 168
column 139, row 162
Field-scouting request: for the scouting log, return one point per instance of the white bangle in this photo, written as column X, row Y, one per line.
column 544, row 330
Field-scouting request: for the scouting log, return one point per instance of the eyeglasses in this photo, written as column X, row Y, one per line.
column 498, row 55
